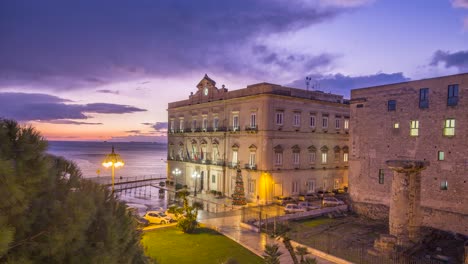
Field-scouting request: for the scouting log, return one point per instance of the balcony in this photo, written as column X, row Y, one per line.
column 234, row 128
column 233, row 165
column 251, row 128
column 249, row 166
column 219, row 162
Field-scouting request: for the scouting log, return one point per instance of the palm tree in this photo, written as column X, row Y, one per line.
column 301, row 251
column 272, row 254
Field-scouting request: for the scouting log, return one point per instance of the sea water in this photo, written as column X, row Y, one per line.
column 140, row 158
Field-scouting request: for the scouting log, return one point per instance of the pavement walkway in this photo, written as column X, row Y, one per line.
column 255, row 242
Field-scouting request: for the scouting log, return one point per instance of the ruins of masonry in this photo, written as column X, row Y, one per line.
column 405, row 218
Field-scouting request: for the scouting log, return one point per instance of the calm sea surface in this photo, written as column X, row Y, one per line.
column 141, row 158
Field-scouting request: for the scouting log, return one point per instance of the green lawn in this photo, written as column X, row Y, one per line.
column 170, row 245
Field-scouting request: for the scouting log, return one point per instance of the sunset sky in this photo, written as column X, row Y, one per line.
column 106, row 70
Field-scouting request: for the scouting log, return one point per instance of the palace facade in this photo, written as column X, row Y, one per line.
column 286, row 141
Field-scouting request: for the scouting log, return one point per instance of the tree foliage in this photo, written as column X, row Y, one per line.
column 189, row 223
column 272, row 254
column 49, row 214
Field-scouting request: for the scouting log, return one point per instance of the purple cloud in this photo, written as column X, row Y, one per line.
column 44, row 107
column 92, row 43
column 69, row 122
column 106, row 91
column 342, row 84
column 158, row 126
column 457, row 59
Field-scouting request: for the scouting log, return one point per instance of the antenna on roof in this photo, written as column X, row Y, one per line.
column 307, row 81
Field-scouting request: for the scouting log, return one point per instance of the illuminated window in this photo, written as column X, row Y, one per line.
column 424, row 98
column 391, row 105
column 279, row 118
column 234, row 156
column 312, row 121
column 449, row 128
column 181, row 125
column 452, row 95
column 345, row 157
column 414, row 131
column 444, row 185
column 205, row 123
column 252, row 158
column 297, row 119
column 325, row 122
column 346, row 124
column 440, row 155
column 396, row 125
column 172, row 128
column 381, row 176
column 324, row 157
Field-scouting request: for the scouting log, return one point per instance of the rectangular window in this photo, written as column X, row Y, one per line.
column 449, row 127
column 414, row 130
column 297, row 119
column 172, row 128
column 278, row 158
column 234, row 156
column 295, row 187
column 325, row 122
column 452, row 95
column 424, row 98
column 310, row 186
column 205, row 124
column 252, row 158
column 345, row 157
column 213, row 178
column 440, row 155
column 279, row 118
column 444, row 185
column 391, row 104
column 324, row 157
column 215, row 123
column 396, row 125
column 296, row 158
column 337, row 123
column 194, row 124
column 235, row 122
column 181, row 125
column 381, row 176
column 253, row 120
column 312, row 157
column 312, row 121
column 346, row 124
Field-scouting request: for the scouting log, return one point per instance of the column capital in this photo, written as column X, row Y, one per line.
column 407, row 166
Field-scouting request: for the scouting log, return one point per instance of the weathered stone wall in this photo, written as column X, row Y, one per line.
column 373, row 211
column 374, row 140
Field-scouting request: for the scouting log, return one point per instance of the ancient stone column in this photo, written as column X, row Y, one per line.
column 405, row 217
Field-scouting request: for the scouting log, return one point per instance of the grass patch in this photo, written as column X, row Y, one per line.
column 170, row 245
column 316, row 221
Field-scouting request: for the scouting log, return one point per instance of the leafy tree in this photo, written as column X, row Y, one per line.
column 272, row 254
column 50, row 214
column 302, row 251
column 189, row 223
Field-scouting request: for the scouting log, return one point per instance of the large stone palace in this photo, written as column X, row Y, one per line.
column 286, row 141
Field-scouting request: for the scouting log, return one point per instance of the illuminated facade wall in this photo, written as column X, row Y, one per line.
column 279, row 137
column 419, row 120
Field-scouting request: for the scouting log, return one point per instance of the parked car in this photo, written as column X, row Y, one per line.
column 156, row 217
column 282, row 200
column 293, row 208
column 331, row 201
column 308, row 206
column 339, row 191
column 309, row 197
column 322, row 194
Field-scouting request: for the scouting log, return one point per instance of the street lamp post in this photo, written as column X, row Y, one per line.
column 176, row 172
column 113, row 160
column 195, row 175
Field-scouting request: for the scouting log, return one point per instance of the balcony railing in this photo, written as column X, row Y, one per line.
column 233, row 165
column 250, row 166
column 251, row 128
column 234, row 128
